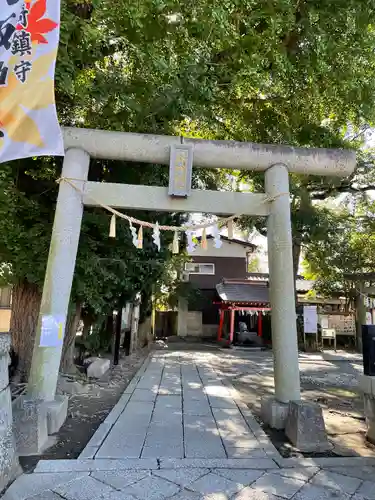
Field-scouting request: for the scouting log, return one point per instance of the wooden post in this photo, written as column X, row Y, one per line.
column 360, row 314
column 260, row 325
column 221, row 322
column 116, row 354
column 231, row 334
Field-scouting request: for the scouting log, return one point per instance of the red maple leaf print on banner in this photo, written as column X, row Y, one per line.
column 36, row 25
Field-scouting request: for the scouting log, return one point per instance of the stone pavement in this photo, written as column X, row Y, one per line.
column 180, row 431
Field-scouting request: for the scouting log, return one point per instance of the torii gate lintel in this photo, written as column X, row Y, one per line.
column 276, row 161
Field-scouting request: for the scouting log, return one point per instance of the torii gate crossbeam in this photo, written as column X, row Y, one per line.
column 276, row 161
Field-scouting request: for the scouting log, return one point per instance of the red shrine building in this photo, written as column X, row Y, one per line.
column 233, row 304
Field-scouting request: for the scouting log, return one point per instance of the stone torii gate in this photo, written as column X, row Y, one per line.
column 276, row 161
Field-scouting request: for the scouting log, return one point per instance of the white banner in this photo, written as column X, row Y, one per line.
column 310, row 319
column 29, row 37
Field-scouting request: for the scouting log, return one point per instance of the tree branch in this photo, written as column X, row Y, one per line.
column 323, row 194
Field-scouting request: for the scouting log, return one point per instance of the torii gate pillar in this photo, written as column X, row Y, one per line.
column 281, row 280
column 275, row 160
column 59, row 275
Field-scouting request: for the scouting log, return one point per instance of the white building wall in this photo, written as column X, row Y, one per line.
column 228, row 249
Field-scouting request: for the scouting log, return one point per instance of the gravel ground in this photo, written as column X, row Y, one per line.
column 330, row 379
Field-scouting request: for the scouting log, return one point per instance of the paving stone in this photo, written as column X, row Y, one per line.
column 171, row 389
column 143, row 396
column 167, row 412
column 130, row 387
column 312, row 492
column 89, row 452
column 366, row 473
column 121, row 444
column 158, row 439
column 143, row 410
column 46, row 495
column 99, row 435
column 197, row 407
column 59, row 466
column 120, row 479
column 213, row 484
column 165, row 428
column 191, row 380
column 149, row 385
column 163, row 451
column 238, row 440
column 186, row 495
column 304, row 474
column 241, row 476
column 194, row 394
column 25, row 487
column 116, row 411
column 182, row 477
column 281, row 486
column 119, row 453
column 203, row 448
column 212, row 463
column 128, row 448
column 367, row 490
column 233, row 452
column 251, row 494
column 234, row 430
column 171, row 418
column 152, row 488
column 336, row 481
column 231, row 415
column 133, row 423
column 202, row 438
column 168, row 401
column 86, row 488
column 163, row 433
column 217, row 402
column 327, row 462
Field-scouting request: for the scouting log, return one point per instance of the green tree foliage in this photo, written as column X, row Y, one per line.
column 274, row 72
column 347, row 247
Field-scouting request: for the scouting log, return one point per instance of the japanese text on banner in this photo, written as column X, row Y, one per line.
column 29, row 36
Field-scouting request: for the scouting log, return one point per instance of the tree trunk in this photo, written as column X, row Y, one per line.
column 67, row 358
column 26, row 298
column 86, row 328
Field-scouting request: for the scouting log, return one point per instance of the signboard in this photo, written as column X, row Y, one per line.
column 328, row 333
column 310, row 319
column 324, row 322
column 52, row 334
column 344, row 325
column 180, row 170
column 29, row 36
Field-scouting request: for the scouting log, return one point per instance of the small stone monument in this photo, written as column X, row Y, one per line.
column 30, row 425
column 367, row 388
column 9, row 466
column 305, row 427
